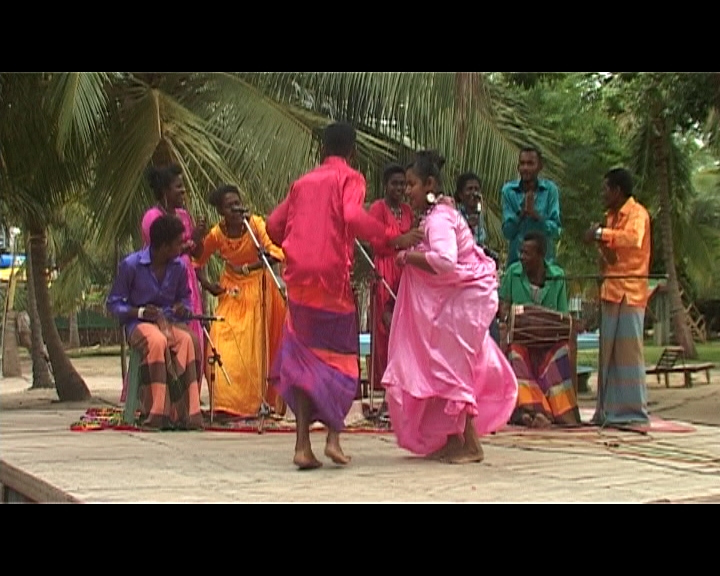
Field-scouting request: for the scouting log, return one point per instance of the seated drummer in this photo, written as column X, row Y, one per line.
column 546, row 395
column 151, row 297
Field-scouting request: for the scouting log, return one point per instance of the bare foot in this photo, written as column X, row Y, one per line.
column 541, row 421
column 336, row 454
column 469, row 454
column 471, row 450
column 451, row 446
column 305, row 460
column 334, row 451
column 526, row 419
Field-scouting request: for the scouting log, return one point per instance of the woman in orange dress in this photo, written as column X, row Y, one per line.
column 239, row 338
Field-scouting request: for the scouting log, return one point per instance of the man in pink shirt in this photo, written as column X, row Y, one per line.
column 316, row 369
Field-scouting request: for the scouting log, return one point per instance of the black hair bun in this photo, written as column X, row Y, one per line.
column 153, row 177
column 432, row 156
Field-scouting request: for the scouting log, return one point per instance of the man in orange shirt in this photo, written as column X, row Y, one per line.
column 624, row 245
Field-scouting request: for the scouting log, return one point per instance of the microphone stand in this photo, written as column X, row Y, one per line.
column 213, row 360
column 377, row 274
column 264, row 411
column 373, row 414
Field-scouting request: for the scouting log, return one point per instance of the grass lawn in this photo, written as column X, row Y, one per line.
column 709, row 352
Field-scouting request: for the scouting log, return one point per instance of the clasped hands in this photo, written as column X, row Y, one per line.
column 528, row 207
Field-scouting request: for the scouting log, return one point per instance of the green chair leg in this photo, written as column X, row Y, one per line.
column 131, row 400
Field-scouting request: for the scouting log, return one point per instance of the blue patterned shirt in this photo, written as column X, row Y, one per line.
column 547, row 205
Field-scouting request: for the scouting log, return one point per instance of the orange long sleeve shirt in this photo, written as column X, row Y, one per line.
column 627, row 232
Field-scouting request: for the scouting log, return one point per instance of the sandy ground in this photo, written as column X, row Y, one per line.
column 699, row 404
column 600, row 467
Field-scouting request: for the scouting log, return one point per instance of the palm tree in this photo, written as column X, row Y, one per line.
column 36, row 177
column 40, row 370
column 80, row 266
column 705, row 217
column 63, row 135
column 11, row 367
column 662, row 106
column 261, row 130
column 589, row 142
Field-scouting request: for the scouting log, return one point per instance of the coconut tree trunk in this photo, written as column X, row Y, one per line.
column 11, row 349
column 69, row 384
column 73, row 330
column 10, row 345
column 660, row 135
column 123, row 352
column 40, row 369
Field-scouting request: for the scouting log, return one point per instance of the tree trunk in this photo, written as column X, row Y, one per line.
column 681, row 327
column 9, row 339
column 11, row 350
column 73, row 330
column 40, row 370
column 69, row 384
column 123, row 352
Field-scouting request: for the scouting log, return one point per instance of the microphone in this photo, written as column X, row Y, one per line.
column 478, row 198
column 204, row 318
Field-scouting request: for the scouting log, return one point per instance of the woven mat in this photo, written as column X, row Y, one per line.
column 96, row 419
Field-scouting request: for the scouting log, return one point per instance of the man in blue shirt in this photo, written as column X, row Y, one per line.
column 530, row 203
column 151, row 297
column 469, row 201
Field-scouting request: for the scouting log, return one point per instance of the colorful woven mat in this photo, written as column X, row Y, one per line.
column 111, row 418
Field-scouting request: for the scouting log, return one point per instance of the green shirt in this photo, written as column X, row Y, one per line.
column 515, row 288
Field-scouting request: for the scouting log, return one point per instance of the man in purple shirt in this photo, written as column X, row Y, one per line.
column 151, row 297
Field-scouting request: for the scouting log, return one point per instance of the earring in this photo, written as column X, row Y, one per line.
column 430, row 197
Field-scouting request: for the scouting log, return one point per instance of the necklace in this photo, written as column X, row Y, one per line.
column 165, row 210
column 397, row 212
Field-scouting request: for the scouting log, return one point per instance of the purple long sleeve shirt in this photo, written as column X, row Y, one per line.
column 136, row 286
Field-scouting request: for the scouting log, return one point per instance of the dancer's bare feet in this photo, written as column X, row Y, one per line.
column 467, row 455
column 526, row 419
column 471, row 450
column 305, row 460
column 541, row 421
column 334, row 451
column 304, row 457
column 452, row 446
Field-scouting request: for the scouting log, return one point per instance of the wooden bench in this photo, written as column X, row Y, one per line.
column 668, row 364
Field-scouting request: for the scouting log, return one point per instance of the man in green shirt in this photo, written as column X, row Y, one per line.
column 546, row 394
column 533, row 280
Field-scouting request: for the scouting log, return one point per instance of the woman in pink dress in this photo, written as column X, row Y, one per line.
column 447, row 382
column 398, row 219
column 169, row 188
